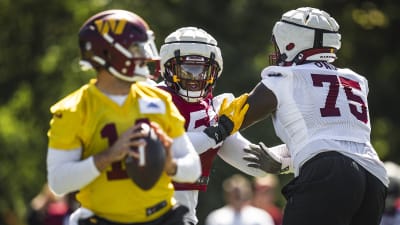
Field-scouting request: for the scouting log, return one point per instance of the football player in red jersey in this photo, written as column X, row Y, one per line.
column 93, row 129
column 321, row 113
column 191, row 63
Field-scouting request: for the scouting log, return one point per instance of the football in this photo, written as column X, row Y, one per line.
column 146, row 170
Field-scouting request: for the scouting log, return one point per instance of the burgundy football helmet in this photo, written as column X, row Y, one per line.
column 120, row 42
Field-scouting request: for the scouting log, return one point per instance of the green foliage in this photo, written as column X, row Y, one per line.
column 22, row 156
column 39, row 65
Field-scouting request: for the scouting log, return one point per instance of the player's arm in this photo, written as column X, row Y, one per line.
column 66, row 172
column 201, row 141
column 131, row 138
column 182, row 161
column 274, row 160
column 248, row 109
column 188, row 165
column 262, row 102
column 213, row 136
column 230, row 117
column 231, row 152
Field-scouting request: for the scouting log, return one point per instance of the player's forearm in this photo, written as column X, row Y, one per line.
column 281, row 150
column 232, row 153
column 66, row 173
column 201, row 141
column 102, row 160
column 262, row 102
column 187, row 160
column 286, row 160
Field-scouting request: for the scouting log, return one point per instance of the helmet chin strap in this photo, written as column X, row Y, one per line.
column 136, row 77
column 321, row 54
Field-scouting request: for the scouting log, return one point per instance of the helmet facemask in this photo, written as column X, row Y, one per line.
column 191, row 76
column 139, row 60
column 276, row 58
column 191, row 62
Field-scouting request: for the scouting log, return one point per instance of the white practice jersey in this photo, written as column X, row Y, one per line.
column 322, row 108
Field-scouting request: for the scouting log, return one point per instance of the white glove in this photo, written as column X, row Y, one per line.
column 271, row 160
column 80, row 213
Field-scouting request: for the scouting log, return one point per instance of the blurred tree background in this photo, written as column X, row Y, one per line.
column 39, row 65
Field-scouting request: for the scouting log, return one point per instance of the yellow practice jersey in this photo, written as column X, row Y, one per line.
column 89, row 120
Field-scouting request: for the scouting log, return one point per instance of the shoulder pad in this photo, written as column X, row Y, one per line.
column 68, row 103
column 276, row 71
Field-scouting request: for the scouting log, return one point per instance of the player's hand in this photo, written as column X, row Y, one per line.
column 170, row 164
column 130, row 139
column 261, row 157
column 234, row 111
column 230, row 119
column 164, row 138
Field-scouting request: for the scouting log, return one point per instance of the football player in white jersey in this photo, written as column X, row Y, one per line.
column 191, row 63
column 321, row 114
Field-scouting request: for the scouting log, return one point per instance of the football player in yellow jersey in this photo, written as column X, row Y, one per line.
column 93, row 129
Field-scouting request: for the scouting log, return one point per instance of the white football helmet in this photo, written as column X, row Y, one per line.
column 305, row 34
column 191, row 62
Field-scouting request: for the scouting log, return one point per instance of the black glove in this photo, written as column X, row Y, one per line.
column 261, row 157
column 221, row 130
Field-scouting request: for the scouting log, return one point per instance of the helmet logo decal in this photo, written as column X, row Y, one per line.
column 115, row 26
column 290, row 46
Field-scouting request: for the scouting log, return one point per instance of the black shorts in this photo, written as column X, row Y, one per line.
column 332, row 189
